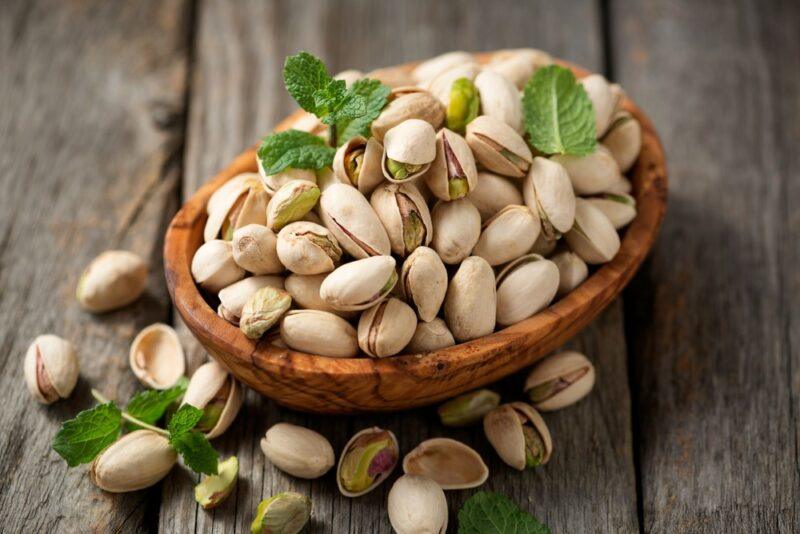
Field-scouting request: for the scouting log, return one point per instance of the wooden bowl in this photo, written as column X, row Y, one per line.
column 321, row 384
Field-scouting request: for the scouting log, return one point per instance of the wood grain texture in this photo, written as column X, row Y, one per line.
column 713, row 318
column 91, row 95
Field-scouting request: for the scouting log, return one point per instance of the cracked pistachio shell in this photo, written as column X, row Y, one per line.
column 593, row 237
column 453, row 173
column 156, row 356
column 366, row 461
column 214, row 489
column 391, row 76
column 358, row 162
column 619, row 208
column 273, row 182
column 404, row 105
column 590, row 174
column 450, row 463
column 353, row 222
column 135, row 461
column 291, row 203
column 624, row 140
column 417, row 505
column 468, row 408
column 263, row 310
column 409, row 147
column 51, row 368
column 254, row 250
column 525, row 287
column 215, row 391
column 506, row 427
column 241, row 201
column 319, row 332
column 404, row 215
column 430, row 336
column 456, row 229
column 442, row 85
column 498, row 147
column 470, row 304
column 604, row 101
column 423, row 280
column 299, row 451
column 359, row 284
column 500, row 98
column 386, row 328
column 508, row 235
column 308, row 248
column 233, row 297
column 213, row 267
column 544, row 246
column 284, row 513
column 572, row 271
column 112, row 280
column 430, row 68
column 493, row 193
column 559, row 381
column 548, row 191
column 518, row 65
column 350, row 76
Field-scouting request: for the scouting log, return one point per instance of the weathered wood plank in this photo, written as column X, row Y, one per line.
column 713, row 319
column 91, row 99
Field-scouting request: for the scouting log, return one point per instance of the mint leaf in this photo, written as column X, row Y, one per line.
column 375, row 94
column 82, row 438
column 559, row 116
column 149, row 406
column 197, row 452
column 492, row 513
column 296, row 149
column 184, row 420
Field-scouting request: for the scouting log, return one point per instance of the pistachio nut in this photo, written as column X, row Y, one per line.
column 212, row 490
column 156, row 356
column 500, row 98
column 548, row 191
column 572, row 271
column 559, row 381
column 624, row 140
column 213, row 267
column 593, row 237
column 464, row 105
column 518, row 65
column 620, row 186
column 304, row 289
column 284, row 513
column 544, row 246
column 508, row 235
column 498, row 147
column 449, row 463
column 391, row 76
column 51, row 368
column 360, row 284
column 358, row 162
column 291, row 202
column 239, row 204
column 299, row 451
column 430, row 336
column 430, row 68
column 263, row 310
column 604, row 101
column 453, row 173
column 590, row 174
column 308, row 248
column 133, row 462
column 350, row 76
column 492, row 193
column 367, row 460
column 470, row 304
column 619, row 208
column 319, row 332
column 273, row 182
column 519, row 435
column 350, row 218
column 417, row 504
column 409, row 149
column 254, row 250
column 423, row 280
column 112, row 280
column 213, row 390
column 233, row 297
column 441, row 85
column 469, row 408
column 405, row 104
column 457, row 228
column 525, row 287
column 404, row 215
column 386, row 328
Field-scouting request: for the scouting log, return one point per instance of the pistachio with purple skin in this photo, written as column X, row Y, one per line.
column 367, row 460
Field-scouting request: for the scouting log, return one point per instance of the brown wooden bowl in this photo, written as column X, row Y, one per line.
column 349, row 385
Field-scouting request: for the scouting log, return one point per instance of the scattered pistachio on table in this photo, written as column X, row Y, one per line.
column 112, row 280
column 156, row 356
column 519, row 435
column 450, row 463
column 299, row 451
column 559, row 381
column 214, row 489
column 214, row 391
column 468, row 408
column 367, row 460
column 51, row 368
column 284, row 513
column 417, row 504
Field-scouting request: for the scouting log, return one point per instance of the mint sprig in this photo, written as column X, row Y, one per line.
column 375, row 94
column 82, row 438
column 150, row 405
column 295, row 149
column 492, row 513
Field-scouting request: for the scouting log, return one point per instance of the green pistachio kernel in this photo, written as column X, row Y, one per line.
column 468, row 408
column 534, row 446
column 457, row 187
column 401, row 171
column 464, row 104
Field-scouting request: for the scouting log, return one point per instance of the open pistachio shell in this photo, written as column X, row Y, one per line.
column 215, row 391
column 548, row 191
column 572, row 271
column 386, row 328
column 624, row 140
column 308, row 248
column 273, row 182
column 493, row 193
column 590, row 174
column 508, row 235
column 525, row 287
column 559, row 381
column 135, row 461
column 304, row 289
column 409, row 149
column 360, row 284
column 212, row 490
column 442, row 84
column 430, row 68
column 453, row 173
column 242, row 204
column 405, row 104
column 619, row 208
column 51, row 368
column 592, row 237
column 500, row 98
column 254, row 250
column 518, row 65
column 603, row 99
column 299, row 451
column 222, row 197
column 404, row 215
column 290, row 203
column 468, row 408
column 319, row 332
column 213, row 266
column 233, row 298
column 456, row 229
column 350, row 218
column 450, row 463
column 358, row 162
column 112, row 280
column 519, row 435
column 417, row 504
column 470, row 304
column 424, row 282
column 498, row 147
column 156, row 356
column 366, row 461
column 430, row 336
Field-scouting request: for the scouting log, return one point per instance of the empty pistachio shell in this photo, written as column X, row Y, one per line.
column 457, row 227
column 263, row 310
column 519, row 435
column 214, row 489
column 291, row 203
column 135, row 461
column 453, row 173
column 544, row 246
column 624, row 140
column 508, row 235
column 284, row 513
column 498, row 147
column 518, row 65
column 493, row 193
column 349, row 76
column 548, row 191
column 430, row 68
column 524, row 287
column 304, row 290
column 468, row 408
column 500, row 98
column 604, row 101
column 430, row 336
column 254, row 250
column 213, row 390
column 274, row 182
column 449, row 463
column 213, row 267
column 350, row 218
column 593, row 237
column 358, row 162
column 404, row 215
column 319, row 332
column 299, row 451
column 359, row 284
column 590, row 174
column 51, row 368
column 308, row 248
column 464, row 105
column 424, row 282
column 112, row 280
column 417, row 504
column 156, row 356
column 404, row 105
column 233, row 298
column 619, row 208
column 386, row 328
column 229, row 208
column 441, row 86
column 409, row 148
column 572, row 271
column 470, row 304
column 559, row 381
column 367, row 460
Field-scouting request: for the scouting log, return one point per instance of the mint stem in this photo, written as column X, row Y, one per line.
column 128, row 417
column 332, row 135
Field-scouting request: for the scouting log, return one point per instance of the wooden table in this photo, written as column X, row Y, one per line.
column 112, row 112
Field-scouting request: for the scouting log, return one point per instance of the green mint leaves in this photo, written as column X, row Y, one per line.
column 295, row 149
column 374, row 94
column 82, row 438
column 150, row 405
column 193, row 446
column 559, row 116
column 492, row 513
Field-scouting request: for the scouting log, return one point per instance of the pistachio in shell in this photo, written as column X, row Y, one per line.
column 499, row 98
column 405, row 216
column 241, row 203
column 423, row 279
column 319, row 332
column 263, row 310
column 464, row 105
column 604, row 101
column 619, row 208
column 572, row 271
column 156, row 356
column 284, row 513
column 366, row 461
column 213, row 390
column 498, row 147
column 297, row 450
column 51, row 368
column 548, row 191
column 233, row 297
column 509, row 234
column 255, row 250
column 430, row 68
column 417, row 504
column 273, row 182
column 212, row 490
column 407, row 103
column 430, row 336
column 453, row 173
column 560, row 381
column 409, row 149
column 590, row 174
column 519, row 435
column 524, row 287
column 493, row 193
column 290, row 203
column 308, row 248
column 358, row 161
column 624, row 140
column 449, row 463
column 470, row 304
column 359, row 284
column 457, row 228
column 592, row 237
column 135, row 461
column 353, row 222
column 213, row 266
column 469, row 408
column 386, row 328
column 112, row 280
